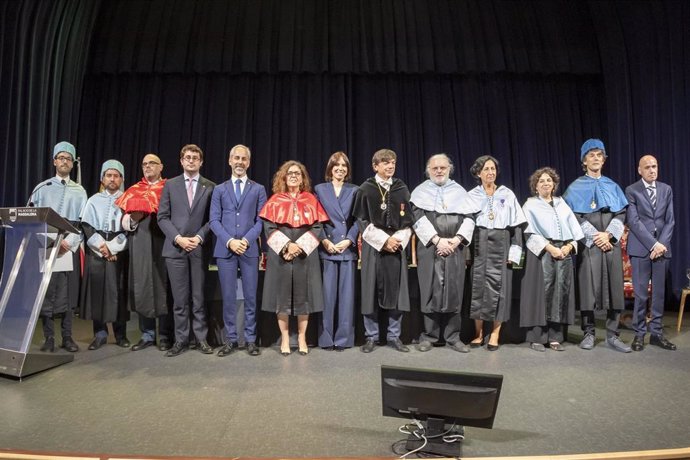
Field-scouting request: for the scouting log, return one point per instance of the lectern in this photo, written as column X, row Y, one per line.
column 32, row 241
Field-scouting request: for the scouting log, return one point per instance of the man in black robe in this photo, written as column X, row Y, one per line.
column 382, row 209
column 444, row 223
column 599, row 205
column 148, row 276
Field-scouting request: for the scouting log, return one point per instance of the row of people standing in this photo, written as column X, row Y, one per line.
column 296, row 223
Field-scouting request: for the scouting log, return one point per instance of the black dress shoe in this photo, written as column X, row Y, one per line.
column 397, row 345
column 661, row 341
column 70, row 345
column 253, row 350
column 338, row 348
column 141, row 344
column 368, row 347
column 328, row 348
column 49, row 344
column 476, row 344
column 192, row 344
column 637, row 344
column 204, row 348
column 228, row 348
column 164, row 345
column 177, row 349
column 491, row 347
column 97, row 343
column 123, row 342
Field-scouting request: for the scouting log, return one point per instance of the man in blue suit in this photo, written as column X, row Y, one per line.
column 650, row 220
column 183, row 216
column 234, row 219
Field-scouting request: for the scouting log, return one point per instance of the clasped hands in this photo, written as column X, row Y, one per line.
column 291, row 251
column 559, row 253
column 239, row 247
column 446, row 246
column 105, row 252
column 603, row 241
column 337, row 248
column 188, row 243
column 657, row 251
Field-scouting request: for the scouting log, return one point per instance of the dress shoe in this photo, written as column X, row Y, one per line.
column 69, row 344
column 204, row 347
column 177, row 349
column 123, row 342
column 637, row 344
column 661, row 341
column 459, row 347
column 368, row 347
column 164, row 345
column 228, row 348
column 339, row 348
column 328, row 348
column 253, row 349
column 555, row 346
column 537, row 347
column 424, row 345
column 192, row 344
column 617, row 344
column 475, row 344
column 141, row 344
column 303, row 351
column 587, row 342
column 49, row 344
column 98, row 342
column 397, row 345
column 491, row 347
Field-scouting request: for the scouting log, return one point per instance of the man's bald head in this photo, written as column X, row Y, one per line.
column 648, row 168
column 152, row 166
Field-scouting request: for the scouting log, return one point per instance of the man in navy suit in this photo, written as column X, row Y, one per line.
column 234, row 219
column 183, row 216
column 650, row 219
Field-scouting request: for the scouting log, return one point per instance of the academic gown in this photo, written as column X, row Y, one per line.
column 295, row 287
column 492, row 244
column 384, row 274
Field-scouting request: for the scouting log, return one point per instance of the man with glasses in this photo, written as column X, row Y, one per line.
column 68, row 199
column 183, row 216
column 148, row 276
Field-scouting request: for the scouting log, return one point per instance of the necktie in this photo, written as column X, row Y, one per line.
column 652, row 195
column 238, row 189
column 190, row 191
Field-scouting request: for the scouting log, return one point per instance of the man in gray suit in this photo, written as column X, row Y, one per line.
column 650, row 220
column 183, row 216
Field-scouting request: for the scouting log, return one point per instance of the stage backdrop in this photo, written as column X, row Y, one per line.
column 526, row 81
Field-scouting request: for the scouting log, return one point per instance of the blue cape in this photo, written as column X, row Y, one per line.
column 587, row 194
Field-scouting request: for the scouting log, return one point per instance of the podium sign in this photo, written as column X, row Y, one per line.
column 32, row 239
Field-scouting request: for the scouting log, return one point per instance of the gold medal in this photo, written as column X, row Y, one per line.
column 383, row 206
column 402, row 209
column 491, row 215
column 593, row 205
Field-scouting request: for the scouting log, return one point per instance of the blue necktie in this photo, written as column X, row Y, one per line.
column 238, row 189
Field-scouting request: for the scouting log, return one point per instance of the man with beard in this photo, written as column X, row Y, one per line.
column 148, row 276
column 444, row 223
column 382, row 209
column 103, row 294
column 67, row 198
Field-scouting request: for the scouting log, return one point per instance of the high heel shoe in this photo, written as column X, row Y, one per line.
column 304, row 352
column 285, row 353
column 474, row 344
column 491, row 347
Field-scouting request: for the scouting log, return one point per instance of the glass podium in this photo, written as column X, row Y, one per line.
column 32, row 239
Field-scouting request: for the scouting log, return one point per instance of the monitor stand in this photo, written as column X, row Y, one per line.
column 436, row 445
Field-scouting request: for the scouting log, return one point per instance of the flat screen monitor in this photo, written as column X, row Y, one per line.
column 440, row 398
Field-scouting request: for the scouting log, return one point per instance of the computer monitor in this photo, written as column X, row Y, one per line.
column 440, row 398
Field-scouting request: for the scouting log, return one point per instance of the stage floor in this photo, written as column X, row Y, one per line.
column 327, row 404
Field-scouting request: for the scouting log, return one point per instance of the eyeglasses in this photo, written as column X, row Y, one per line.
column 64, row 158
column 191, row 158
column 294, row 173
column 150, row 163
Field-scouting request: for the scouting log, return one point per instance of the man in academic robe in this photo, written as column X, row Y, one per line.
column 444, row 222
column 67, row 198
column 183, row 216
column 148, row 277
column 104, row 288
column 382, row 209
column 234, row 219
column 651, row 221
column 599, row 206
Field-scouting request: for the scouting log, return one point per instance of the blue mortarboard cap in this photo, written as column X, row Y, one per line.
column 64, row 147
column 591, row 144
